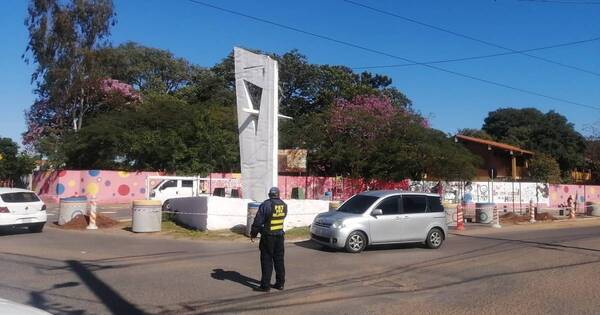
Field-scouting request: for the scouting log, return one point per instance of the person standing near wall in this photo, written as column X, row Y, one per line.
column 269, row 222
column 569, row 205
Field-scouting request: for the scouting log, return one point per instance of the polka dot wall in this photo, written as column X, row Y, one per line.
column 106, row 186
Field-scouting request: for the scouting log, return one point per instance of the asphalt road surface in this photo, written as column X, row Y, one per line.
column 547, row 269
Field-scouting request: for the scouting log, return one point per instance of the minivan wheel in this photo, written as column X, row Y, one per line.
column 435, row 238
column 356, row 242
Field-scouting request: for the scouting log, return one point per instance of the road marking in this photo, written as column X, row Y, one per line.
column 51, row 214
column 108, row 212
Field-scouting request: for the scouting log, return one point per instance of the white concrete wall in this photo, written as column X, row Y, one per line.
column 225, row 213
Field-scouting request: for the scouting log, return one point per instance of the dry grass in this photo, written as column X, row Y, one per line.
column 236, row 233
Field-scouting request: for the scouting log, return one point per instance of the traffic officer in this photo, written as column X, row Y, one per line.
column 269, row 223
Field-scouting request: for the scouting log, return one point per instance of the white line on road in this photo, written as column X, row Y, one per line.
column 108, row 212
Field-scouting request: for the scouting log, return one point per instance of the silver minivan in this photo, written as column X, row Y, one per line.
column 382, row 217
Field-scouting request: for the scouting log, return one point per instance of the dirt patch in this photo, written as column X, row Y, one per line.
column 544, row 217
column 516, row 218
column 81, row 222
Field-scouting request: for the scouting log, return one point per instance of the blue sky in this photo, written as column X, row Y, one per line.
column 205, row 36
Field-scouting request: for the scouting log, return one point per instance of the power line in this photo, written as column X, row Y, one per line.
column 382, row 53
column 445, row 30
column 562, row 2
column 482, row 56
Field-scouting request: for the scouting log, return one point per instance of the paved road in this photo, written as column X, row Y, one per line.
column 536, row 271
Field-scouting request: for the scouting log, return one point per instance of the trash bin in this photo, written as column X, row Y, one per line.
column 594, row 209
column 252, row 210
column 71, row 207
column 484, row 212
column 334, row 205
column 146, row 216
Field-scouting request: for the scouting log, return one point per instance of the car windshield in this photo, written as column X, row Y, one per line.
column 20, row 197
column 357, row 204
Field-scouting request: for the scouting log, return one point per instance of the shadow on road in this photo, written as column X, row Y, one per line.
column 234, row 276
column 111, row 299
column 314, row 246
column 13, row 231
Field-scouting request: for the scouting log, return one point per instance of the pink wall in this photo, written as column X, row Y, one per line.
column 107, row 186
column 123, row 187
column 315, row 187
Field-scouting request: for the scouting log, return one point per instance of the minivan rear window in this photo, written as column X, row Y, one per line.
column 435, row 204
column 358, row 204
column 19, row 197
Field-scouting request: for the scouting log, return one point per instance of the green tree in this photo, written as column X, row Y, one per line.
column 14, row 165
column 549, row 133
column 164, row 133
column 477, row 133
column 543, row 168
column 63, row 39
column 369, row 137
column 149, row 70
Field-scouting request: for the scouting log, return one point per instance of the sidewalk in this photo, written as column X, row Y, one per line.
column 479, row 228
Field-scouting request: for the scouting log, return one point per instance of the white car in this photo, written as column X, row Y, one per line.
column 11, row 308
column 174, row 187
column 22, row 208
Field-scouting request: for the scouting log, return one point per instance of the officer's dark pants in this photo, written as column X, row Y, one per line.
column 271, row 253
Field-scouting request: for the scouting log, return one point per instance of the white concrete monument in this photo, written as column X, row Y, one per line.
column 257, row 92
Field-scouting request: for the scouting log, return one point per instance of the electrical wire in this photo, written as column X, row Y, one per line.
column 482, row 56
column 382, row 53
column 445, row 30
column 562, row 2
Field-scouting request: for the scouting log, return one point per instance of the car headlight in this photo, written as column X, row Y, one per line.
column 338, row 224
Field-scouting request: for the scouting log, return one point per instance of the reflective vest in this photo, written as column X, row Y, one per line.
column 274, row 222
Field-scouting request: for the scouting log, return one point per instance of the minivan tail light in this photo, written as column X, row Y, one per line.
column 4, row 210
column 43, row 207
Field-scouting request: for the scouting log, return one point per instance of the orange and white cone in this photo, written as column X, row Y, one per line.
column 460, row 221
column 496, row 223
column 92, row 225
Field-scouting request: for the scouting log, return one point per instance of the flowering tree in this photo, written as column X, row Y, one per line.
column 64, row 37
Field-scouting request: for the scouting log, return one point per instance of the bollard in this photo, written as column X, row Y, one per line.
column 496, row 223
column 572, row 212
column 460, row 221
column 92, row 225
column 531, row 212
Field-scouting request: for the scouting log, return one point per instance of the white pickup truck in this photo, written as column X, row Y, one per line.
column 170, row 187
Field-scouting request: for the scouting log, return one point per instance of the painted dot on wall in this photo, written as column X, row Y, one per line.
column 152, row 183
column 60, row 189
column 76, row 193
column 132, row 195
column 142, row 190
column 135, row 184
column 62, row 173
column 114, row 194
column 71, row 183
column 94, row 173
column 92, row 188
column 123, row 190
column 99, row 179
column 107, row 183
column 123, row 174
column 82, row 190
column 566, row 189
column 81, row 180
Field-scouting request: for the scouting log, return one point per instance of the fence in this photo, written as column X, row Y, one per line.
column 122, row 187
